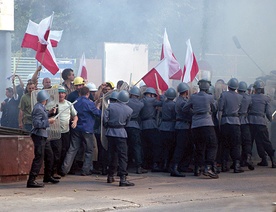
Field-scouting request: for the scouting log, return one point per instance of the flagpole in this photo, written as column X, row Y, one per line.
column 137, row 82
column 16, row 65
column 130, row 80
column 157, row 84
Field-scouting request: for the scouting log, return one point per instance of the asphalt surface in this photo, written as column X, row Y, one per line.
column 248, row 191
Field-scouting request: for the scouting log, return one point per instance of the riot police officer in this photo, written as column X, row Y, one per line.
column 184, row 147
column 259, row 109
column 116, row 117
column 229, row 106
column 245, row 129
column 150, row 134
column 202, row 105
column 167, row 128
column 133, row 129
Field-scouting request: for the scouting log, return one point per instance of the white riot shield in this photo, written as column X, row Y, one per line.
column 54, row 129
column 105, row 102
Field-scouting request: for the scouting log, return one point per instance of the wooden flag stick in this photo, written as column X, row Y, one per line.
column 17, row 62
column 157, row 84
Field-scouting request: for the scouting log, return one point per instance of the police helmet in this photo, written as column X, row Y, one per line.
column 42, row 96
column 182, row 87
column 204, row 84
column 170, row 93
column 123, row 96
column 135, row 91
column 150, row 90
column 242, row 86
column 233, row 83
column 259, row 84
column 114, row 95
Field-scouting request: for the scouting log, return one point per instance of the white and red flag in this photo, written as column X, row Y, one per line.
column 48, row 59
column 158, row 76
column 175, row 71
column 82, row 72
column 30, row 39
column 191, row 67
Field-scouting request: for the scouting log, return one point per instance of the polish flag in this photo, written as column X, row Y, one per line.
column 47, row 58
column 30, row 39
column 45, row 54
column 175, row 71
column 191, row 67
column 158, row 76
column 43, row 29
column 82, row 72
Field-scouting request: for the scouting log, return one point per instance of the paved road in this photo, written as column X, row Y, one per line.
column 248, row 191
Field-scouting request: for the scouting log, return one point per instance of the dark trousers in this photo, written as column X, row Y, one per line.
column 56, row 146
column 259, row 133
column 102, row 154
column 134, row 145
column 42, row 151
column 184, row 148
column 117, row 150
column 231, row 134
column 219, row 158
column 205, row 145
column 168, row 145
column 246, row 141
column 151, row 146
column 65, row 144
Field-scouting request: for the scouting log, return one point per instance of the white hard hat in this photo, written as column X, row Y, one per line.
column 91, row 86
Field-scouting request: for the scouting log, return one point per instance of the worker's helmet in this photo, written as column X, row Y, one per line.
column 78, row 81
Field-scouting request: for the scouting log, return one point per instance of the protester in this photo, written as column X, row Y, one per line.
column 68, row 78
column 9, row 108
column 83, row 133
column 25, row 108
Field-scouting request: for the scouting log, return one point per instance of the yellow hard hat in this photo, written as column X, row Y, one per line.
column 111, row 84
column 78, row 81
column 55, row 86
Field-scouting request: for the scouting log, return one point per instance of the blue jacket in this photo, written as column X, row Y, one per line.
column 40, row 120
column 86, row 114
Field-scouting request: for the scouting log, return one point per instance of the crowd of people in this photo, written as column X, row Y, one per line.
column 179, row 131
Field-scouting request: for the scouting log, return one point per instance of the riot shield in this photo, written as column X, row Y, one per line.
column 105, row 102
column 54, row 129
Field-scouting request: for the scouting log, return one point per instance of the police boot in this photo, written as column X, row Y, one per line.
column 50, row 179
column 263, row 162
column 140, row 170
column 175, row 172
column 215, row 168
column 273, row 161
column 224, row 167
column 124, row 182
column 237, row 167
column 31, row 183
column 209, row 172
column 110, row 179
column 249, row 162
column 156, row 168
column 197, row 171
column 166, row 167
